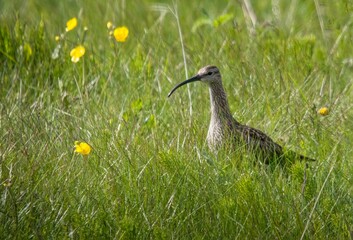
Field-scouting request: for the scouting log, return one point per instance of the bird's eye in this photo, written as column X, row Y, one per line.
column 210, row 73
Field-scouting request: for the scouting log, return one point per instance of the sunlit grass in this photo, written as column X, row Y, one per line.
column 148, row 172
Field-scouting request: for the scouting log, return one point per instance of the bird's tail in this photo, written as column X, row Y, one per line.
column 296, row 156
column 305, row 158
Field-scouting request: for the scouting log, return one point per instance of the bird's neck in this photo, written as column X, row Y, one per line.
column 222, row 120
column 219, row 103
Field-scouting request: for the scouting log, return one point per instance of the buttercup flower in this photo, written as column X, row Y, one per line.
column 77, row 53
column 121, row 34
column 71, row 24
column 82, row 148
column 323, row 111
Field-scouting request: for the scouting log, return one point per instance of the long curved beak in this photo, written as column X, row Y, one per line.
column 193, row 79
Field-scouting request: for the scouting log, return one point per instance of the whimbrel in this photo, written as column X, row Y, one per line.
column 225, row 129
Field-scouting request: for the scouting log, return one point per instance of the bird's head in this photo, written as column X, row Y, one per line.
column 208, row 74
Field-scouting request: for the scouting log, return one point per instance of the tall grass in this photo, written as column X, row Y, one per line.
column 150, row 174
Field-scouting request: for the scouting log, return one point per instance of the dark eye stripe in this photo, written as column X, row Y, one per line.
column 209, row 70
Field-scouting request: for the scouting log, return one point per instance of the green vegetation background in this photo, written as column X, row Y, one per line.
column 150, row 174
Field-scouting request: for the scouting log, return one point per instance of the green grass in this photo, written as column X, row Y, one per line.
column 150, row 174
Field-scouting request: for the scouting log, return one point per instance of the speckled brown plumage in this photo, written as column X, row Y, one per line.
column 224, row 128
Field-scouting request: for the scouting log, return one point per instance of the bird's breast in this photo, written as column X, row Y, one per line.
column 215, row 134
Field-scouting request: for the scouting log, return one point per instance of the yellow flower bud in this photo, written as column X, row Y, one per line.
column 109, row 25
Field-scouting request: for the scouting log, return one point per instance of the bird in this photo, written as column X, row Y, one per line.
column 224, row 128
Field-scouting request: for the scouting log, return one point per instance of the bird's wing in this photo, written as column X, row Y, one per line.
column 257, row 139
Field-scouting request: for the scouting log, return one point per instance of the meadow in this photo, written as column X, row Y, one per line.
column 150, row 174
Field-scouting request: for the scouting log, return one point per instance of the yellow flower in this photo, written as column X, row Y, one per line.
column 82, row 148
column 109, row 25
column 121, row 34
column 77, row 53
column 71, row 24
column 323, row 111
column 57, row 38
